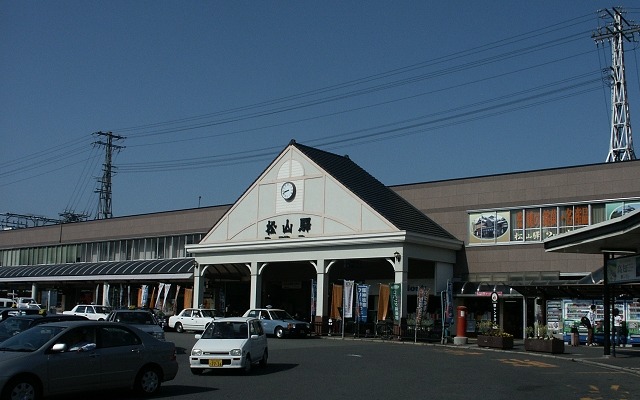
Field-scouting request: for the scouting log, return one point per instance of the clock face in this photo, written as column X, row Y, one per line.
column 288, row 191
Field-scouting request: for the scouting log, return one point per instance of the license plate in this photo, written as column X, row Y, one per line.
column 215, row 363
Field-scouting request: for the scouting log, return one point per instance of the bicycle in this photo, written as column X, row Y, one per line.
column 384, row 329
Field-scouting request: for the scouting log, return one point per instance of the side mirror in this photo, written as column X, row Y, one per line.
column 59, row 348
column 198, row 336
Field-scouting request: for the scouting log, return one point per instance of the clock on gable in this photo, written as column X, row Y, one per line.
column 288, row 191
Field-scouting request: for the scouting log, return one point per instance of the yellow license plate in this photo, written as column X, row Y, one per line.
column 215, row 363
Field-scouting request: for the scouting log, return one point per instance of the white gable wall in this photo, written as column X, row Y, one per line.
column 331, row 208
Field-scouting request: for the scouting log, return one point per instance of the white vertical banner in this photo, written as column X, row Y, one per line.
column 145, row 296
column 347, row 304
column 167, row 287
column 160, row 287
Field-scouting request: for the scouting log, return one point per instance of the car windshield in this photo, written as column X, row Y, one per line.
column 102, row 309
column 280, row 314
column 211, row 313
column 139, row 318
column 31, row 339
column 226, row 330
column 15, row 324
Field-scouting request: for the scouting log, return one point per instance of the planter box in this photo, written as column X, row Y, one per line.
column 496, row 342
column 554, row 346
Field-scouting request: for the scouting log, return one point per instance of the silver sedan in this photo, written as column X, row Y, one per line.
column 69, row 357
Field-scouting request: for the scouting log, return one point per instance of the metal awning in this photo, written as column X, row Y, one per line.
column 620, row 234
column 179, row 268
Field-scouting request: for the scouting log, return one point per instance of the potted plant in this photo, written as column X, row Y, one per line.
column 494, row 337
column 543, row 341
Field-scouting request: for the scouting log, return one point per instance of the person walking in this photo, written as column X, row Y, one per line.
column 617, row 327
column 591, row 316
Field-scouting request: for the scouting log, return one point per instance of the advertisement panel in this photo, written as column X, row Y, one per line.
column 489, row 227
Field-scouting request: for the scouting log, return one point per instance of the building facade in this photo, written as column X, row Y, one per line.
column 313, row 220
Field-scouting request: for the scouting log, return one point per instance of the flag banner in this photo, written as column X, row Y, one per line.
column 144, row 294
column 314, row 293
column 158, row 304
column 336, row 301
column 362, row 303
column 175, row 300
column 383, row 302
column 167, row 287
column 395, row 300
column 347, row 307
column 423, row 301
column 449, row 303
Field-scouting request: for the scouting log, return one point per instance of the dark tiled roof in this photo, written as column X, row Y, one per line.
column 382, row 199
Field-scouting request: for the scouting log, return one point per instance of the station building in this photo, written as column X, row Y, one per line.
column 313, row 220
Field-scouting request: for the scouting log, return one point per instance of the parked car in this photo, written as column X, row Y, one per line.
column 91, row 311
column 16, row 324
column 27, row 302
column 76, row 356
column 193, row 319
column 279, row 323
column 141, row 319
column 236, row 342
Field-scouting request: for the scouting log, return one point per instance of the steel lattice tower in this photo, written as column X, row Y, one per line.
column 621, row 143
column 104, row 211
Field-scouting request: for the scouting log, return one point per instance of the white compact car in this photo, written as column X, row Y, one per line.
column 237, row 342
column 193, row 319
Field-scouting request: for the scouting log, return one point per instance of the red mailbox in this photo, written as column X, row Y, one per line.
column 461, row 322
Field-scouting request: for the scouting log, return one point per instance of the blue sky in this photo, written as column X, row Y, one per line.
column 207, row 93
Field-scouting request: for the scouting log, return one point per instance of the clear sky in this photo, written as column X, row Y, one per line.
column 207, row 93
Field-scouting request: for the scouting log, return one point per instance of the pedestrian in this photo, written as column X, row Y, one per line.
column 591, row 316
column 617, row 327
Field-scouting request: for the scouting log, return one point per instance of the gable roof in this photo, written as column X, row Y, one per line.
column 383, row 200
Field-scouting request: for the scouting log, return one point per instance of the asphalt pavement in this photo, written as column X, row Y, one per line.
column 620, row 358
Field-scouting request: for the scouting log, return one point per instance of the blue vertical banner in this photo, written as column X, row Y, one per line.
column 395, row 300
column 314, row 293
column 363, row 303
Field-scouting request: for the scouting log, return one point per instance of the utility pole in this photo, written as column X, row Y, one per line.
column 104, row 211
column 621, row 143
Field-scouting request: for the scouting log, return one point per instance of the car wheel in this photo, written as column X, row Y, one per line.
column 247, row 364
column 197, row 371
column 279, row 332
column 265, row 356
column 148, row 381
column 179, row 327
column 22, row 388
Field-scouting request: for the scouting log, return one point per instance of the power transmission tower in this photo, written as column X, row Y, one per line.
column 621, row 143
column 104, row 211
column 16, row 221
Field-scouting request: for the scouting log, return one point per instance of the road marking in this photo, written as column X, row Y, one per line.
column 526, row 363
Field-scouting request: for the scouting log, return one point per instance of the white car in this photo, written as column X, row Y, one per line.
column 237, row 342
column 193, row 319
column 279, row 323
column 91, row 311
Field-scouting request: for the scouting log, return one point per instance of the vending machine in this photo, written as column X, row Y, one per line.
column 574, row 310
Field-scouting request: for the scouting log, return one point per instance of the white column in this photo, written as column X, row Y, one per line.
column 256, row 286
column 105, row 293
column 321, row 289
column 198, row 285
column 401, row 269
column 34, row 291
